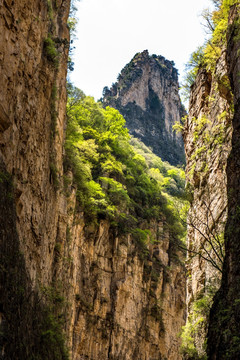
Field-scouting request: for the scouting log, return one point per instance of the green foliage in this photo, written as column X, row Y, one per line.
column 197, row 324
column 50, row 9
column 54, row 173
column 188, row 347
column 51, row 52
column 130, row 72
column 5, row 177
column 207, row 136
column 178, row 127
column 191, row 70
column 118, row 177
column 52, row 339
column 206, row 56
column 142, row 239
column 72, row 24
column 214, row 47
column 72, row 21
column 170, row 179
column 199, row 125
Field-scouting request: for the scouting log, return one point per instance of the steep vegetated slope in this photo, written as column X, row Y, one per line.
column 207, row 136
column 130, row 289
column 89, row 231
column 147, row 95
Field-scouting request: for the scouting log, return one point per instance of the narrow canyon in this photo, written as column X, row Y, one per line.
column 119, row 219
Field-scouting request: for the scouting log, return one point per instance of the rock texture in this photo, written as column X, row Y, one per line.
column 223, row 336
column 33, row 58
column 32, row 115
column 207, row 138
column 146, row 94
column 126, row 304
column 114, row 299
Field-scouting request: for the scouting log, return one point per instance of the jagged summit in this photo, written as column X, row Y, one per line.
column 146, row 94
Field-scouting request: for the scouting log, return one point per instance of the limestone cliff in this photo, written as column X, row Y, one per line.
column 224, row 341
column 34, row 52
column 146, row 94
column 208, row 143
column 124, row 305
column 33, row 57
column 65, row 282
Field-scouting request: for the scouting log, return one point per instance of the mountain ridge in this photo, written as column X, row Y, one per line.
column 147, row 95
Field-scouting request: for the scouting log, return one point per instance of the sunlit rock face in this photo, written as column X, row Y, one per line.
column 146, row 94
column 125, row 304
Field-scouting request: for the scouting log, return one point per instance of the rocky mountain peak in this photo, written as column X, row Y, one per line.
column 146, row 94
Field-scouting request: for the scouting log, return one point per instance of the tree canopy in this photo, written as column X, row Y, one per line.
column 117, row 177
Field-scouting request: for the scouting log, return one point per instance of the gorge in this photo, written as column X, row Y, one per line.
column 92, row 221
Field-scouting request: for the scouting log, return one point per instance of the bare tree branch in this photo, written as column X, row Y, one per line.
column 212, row 248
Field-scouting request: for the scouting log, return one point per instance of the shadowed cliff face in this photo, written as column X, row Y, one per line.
column 224, row 328
column 29, row 318
column 146, row 94
column 33, row 64
column 33, row 61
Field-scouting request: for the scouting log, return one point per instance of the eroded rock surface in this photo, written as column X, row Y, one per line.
column 223, row 336
column 146, row 94
column 207, row 138
column 126, row 304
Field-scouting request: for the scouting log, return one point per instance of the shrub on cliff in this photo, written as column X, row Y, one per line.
column 207, row 55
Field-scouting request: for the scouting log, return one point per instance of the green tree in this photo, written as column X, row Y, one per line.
column 113, row 178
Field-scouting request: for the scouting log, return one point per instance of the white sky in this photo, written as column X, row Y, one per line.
column 111, row 32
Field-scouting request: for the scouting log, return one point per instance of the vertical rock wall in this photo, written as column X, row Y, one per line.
column 128, row 302
column 223, row 335
column 33, row 66
column 207, row 140
column 32, row 115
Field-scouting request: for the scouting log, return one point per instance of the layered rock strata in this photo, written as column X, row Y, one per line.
column 33, row 65
column 146, row 94
column 127, row 303
column 34, row 52
column 223, row 335
column 207, row 138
